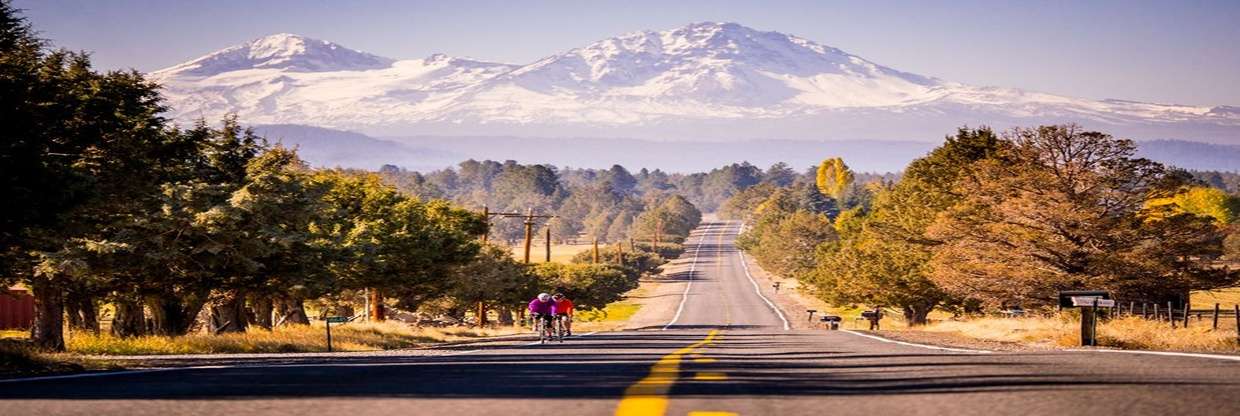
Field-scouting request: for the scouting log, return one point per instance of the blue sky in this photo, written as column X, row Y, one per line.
column 1173, row 52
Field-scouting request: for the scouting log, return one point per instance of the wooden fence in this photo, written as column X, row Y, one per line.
column 16, row 309
column 1183, row 316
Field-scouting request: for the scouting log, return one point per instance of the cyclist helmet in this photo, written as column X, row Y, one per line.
column 558, row 296
column 544, row 297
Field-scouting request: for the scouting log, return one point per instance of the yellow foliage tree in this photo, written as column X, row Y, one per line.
column 834, row 177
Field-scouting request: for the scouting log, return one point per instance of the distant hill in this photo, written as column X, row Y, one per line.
column 1193, row 155
column 331, row 148
column 334, row 148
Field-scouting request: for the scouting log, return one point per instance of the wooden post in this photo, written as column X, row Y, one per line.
column 1156, row 315
column 1132, row 306
column 620, row 252
column 658, row 227
column 482, row 314
column 529, row 233
column 1237, row 315
column 1171, row 314
column 377, row 312
column 1144, row 313
column 595, row 250
column 1215, row 327
column 486, row 216
column 548, row 235
column 632, row 245
column 329, row 335
column 1186, row 314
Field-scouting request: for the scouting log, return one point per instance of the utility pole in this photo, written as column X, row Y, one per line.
column 529, row 232
column 548, row 235
column 658, row 228
column 486, row 215
column 620, row 252
column 595, row 250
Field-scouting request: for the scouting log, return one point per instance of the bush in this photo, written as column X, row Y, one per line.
column 590, row 286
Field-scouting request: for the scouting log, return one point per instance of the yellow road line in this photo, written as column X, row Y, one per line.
column 648, row 397
column 701, row 413
column 707, row 376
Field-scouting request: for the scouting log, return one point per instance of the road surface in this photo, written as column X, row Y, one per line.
column 725, row 352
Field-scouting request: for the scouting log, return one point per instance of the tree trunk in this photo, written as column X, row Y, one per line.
column 129, row 320
column 226, row 312
column 378, row 313
column 290, row 311
column 83, row 314
column 171, row 315
column 915, row 315
column 262, row 307
column 505, row 315
column 49, row 318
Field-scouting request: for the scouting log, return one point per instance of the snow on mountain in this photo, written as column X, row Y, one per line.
column 700, row 81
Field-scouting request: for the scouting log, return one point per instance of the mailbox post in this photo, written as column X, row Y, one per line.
column 1088, row 301
column 328, row 323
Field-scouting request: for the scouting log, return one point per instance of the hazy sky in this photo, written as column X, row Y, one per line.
column 1172, row 52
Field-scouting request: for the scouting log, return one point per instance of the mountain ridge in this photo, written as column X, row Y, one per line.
column 702, row 81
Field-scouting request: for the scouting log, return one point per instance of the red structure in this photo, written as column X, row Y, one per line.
column 16, row 309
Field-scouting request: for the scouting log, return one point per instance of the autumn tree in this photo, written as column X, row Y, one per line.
column 1060, row 208
column 834, row 178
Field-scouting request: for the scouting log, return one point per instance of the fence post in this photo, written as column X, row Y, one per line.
column 1144, row 314
column 1156, row 315
column 1171, row 314
column 1237, row 315
column 1215, row 327
column 1186, row 314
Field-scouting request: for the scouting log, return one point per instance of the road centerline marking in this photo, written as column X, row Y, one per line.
column 648, row 396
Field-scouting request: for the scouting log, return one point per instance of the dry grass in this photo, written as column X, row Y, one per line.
column 1064, row 331
column 348, row 337
column 1224, row 297
column 14, row 333
column 560, row 253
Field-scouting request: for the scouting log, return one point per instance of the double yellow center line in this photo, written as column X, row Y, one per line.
column 648, row 396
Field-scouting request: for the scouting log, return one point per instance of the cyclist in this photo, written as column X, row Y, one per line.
column 564, row 312
column 542, row 307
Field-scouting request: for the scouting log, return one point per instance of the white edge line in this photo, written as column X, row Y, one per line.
column 685, row 296
column 933, row 347
column 1166, row 353
column 745, row 266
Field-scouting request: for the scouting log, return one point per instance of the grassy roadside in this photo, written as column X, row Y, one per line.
column 359, row 336
column 1063, row 331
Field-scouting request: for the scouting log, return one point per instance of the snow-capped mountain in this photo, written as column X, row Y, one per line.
column 700, row 81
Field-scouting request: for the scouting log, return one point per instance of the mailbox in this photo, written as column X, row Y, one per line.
column 1065, row 296
column 832, row 322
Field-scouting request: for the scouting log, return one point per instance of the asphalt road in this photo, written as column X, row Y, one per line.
column 726, row 352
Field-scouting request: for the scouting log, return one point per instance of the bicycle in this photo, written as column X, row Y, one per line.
column 544, row 332
column 559, row 329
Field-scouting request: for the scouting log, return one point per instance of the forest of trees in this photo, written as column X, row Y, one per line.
column 210, row 227
column 991, row 221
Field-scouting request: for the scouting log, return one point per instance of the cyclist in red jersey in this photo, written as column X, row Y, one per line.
column 564, row 311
